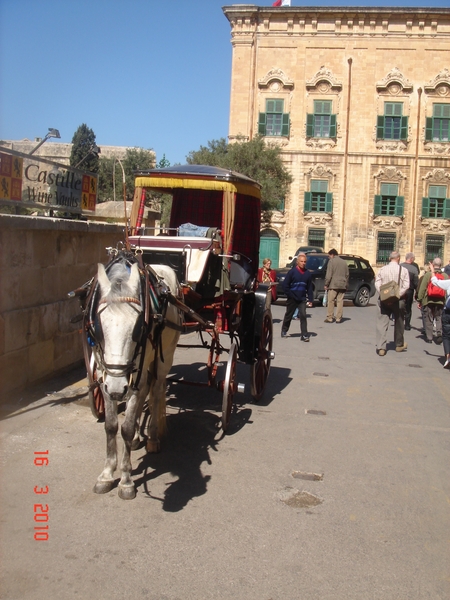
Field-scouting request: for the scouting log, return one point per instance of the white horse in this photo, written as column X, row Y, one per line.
column 122, row 336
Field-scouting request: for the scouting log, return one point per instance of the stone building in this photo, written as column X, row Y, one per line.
column 359, row 101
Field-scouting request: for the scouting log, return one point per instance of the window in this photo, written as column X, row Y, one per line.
column 437, row 127
column 322, row 124
column 436, row 206
column 434, row 246
column 274, row 121
column 388, row 202
column 316, row 238
column 318, row 199
column 392, row 125
column 385, row 245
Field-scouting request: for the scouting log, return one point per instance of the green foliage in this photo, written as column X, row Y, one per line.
column 110, row 175
column 81, row 156
column 257, row 159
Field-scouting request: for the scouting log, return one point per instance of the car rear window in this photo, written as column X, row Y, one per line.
column 315, row 263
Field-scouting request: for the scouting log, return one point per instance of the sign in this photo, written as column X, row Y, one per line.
column 37, row 182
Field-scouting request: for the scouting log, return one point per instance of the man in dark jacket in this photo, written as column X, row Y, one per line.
column 413, row 271
column 299, row 291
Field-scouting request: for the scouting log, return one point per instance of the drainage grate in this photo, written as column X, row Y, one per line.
column 415, row 366
column 312, row 411
column 321, row 374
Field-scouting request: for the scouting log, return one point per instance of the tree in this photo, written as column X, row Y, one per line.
column 83, row 144
column 110, row 175
column 255, row 158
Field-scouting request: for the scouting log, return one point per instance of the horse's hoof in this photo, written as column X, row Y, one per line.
column 127, row 492
column 153, row 447
column 103, row 487
column 135, row 444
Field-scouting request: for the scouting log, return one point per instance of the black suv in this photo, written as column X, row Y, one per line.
column 361, row 281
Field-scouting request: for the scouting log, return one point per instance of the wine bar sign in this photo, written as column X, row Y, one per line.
column 35, row 182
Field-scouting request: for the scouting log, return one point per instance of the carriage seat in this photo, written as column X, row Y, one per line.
column 188, row 256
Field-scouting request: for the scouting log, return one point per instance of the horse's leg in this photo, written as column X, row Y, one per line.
column 105, row 480
column 127, row 491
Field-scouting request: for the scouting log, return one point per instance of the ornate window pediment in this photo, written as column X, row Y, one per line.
column 324, row 81
column 440, row 85
column 394, row 83
column 276, row 80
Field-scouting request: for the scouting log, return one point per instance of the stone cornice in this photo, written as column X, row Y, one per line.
column 248, row 19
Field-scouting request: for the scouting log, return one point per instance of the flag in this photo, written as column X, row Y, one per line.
column 282, row 3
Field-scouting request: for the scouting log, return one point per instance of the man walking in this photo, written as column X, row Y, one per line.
column 336, row 281
column 392, row 272
column 298, row 288
column 432, row 305
column 413, row 283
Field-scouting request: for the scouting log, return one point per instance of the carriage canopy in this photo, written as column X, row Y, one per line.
column 208, row 196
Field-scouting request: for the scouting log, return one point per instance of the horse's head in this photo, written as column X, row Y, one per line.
column 119, row 325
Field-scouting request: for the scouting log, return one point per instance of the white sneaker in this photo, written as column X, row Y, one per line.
column 447, row 363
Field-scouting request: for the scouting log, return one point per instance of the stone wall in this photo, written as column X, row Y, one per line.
column 41, row 260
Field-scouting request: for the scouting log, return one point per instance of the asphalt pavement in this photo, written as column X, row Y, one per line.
column 335, row 486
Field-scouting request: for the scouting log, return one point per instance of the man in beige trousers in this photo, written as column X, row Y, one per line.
column 336, row 281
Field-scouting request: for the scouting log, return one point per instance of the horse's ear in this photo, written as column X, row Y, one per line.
column 103, row 279
column 134, row 280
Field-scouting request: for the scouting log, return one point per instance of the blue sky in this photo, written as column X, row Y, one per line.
column 146, row 73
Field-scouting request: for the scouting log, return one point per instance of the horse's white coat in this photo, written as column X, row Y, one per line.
column 118, row 318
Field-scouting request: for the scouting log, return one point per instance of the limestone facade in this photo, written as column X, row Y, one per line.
column 357, row 64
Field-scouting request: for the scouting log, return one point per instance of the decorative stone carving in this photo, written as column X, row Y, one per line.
column 390, row 174
column 440, row 85
column 324, row 81
column 320, row 143
column 320, row 170
column 392, row 145
column 437, row 176
column 438, row 148
column 435, row 224
column 276, row 77
column 318, row 218
column 394, row 83
column 386, row 223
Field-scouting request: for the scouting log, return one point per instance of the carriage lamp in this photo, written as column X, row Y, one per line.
column 52, row 133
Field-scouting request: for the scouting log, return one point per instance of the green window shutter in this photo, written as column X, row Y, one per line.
column 425, row 207
column 307, row 204
column 429, row 129
column 333, row 127
column 377, row 205
column 309, row 125
column 399, row 206
column 404, row 128
column 380, row 127
column 319, row 186
column 329, row 202
column 262, row 124
column 285, row 125
column 270, row 106
column 447, row 208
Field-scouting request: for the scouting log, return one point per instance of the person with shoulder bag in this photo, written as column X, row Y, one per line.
column 432, row 298
column 392, row 284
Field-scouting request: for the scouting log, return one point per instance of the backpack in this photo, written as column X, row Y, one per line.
column 435, row 293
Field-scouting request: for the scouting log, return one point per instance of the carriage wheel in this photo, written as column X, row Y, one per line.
column 261, row 367
column 213, row 360
column 230, row 386
column 96, row 400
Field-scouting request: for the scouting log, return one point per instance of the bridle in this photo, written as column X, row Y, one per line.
column 120, row 370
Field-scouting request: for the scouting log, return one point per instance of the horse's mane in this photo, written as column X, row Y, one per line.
column 119, row 275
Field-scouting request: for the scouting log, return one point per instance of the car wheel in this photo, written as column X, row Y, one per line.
column 362, row 296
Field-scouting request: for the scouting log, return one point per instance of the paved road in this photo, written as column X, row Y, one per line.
column 350, row 501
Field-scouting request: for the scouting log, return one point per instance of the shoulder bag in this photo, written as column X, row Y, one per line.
column 390, row 292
